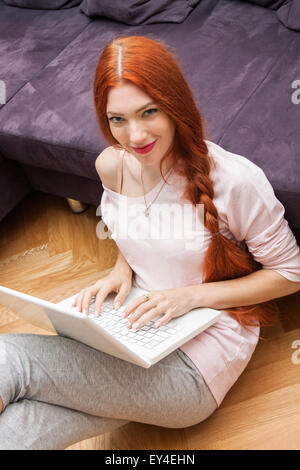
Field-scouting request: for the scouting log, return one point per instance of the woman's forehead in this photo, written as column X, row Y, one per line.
column 126, row 96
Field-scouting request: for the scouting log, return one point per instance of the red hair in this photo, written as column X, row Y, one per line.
column 151, row 65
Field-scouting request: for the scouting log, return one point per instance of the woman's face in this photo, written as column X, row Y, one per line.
column 134, row 127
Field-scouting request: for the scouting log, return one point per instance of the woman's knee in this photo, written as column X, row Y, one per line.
column 14, row 367
column 189, row 421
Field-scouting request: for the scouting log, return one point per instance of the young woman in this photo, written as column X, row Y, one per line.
column 56, row 391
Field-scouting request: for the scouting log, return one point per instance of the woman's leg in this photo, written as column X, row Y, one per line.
column 34, row 425
column 60, row 371
column 30, row 424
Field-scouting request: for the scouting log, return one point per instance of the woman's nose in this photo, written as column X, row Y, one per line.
column 137, row 135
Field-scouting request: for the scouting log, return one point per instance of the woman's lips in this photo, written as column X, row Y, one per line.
column 145, row 149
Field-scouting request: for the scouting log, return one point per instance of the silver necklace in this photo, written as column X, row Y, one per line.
column 146, row 212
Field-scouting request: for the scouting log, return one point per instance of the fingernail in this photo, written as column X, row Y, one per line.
column 117, row 305
column 135, row 326
column 84, row 311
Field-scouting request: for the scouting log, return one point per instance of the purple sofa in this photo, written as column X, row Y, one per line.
column 241, row 59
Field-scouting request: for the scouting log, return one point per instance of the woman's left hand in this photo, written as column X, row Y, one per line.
column 170, row 303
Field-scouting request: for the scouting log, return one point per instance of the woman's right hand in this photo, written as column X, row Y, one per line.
column 117, row 280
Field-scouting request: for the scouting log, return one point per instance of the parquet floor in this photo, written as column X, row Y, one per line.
column 47, row 251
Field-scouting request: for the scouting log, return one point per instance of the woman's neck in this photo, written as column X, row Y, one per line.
column 153, row 172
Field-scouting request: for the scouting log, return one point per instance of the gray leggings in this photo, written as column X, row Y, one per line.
column 57, row 391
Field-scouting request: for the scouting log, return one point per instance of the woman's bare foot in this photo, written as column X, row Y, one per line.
column 1, row 405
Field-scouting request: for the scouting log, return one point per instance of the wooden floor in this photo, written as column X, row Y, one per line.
column 47, row 251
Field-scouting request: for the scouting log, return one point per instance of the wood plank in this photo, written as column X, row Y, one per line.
column 256, row 423
column 59, row 220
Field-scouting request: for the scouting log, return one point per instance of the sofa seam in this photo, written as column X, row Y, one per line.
column 288, row 15
column 75, row 37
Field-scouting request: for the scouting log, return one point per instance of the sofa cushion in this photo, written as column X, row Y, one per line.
column 134, row 12
column 288, row 11
column 30, row 39
column 273, row 4
column 289, row 14
column 43, row 4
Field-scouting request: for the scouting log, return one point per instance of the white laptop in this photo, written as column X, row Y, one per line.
column 109, row 332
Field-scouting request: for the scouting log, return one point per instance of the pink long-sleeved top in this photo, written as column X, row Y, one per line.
column 249, row 213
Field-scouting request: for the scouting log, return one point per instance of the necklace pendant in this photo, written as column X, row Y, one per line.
column 146, row 212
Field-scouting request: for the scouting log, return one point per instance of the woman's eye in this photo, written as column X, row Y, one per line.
column 115, row 122
column 152, row 109
column 118, row 120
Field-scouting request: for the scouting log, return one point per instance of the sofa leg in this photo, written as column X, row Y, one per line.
column 77, row 207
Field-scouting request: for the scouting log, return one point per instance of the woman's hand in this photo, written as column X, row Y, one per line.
column 170, row 303
column 118, row 280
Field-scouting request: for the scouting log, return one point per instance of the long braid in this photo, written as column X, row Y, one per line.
column 223, row 259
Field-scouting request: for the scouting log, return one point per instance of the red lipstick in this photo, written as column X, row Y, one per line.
column 145, row 149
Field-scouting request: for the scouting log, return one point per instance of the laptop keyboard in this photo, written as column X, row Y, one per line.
column 110, row 319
